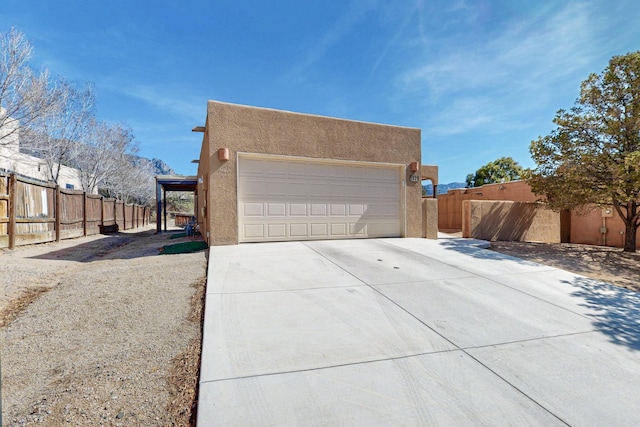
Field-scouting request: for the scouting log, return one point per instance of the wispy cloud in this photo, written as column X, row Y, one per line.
column 483, row 82
column 354, row 13
column 411, row 13
column 175, row 102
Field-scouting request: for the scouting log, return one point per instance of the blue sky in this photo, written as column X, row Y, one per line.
column 481, row 79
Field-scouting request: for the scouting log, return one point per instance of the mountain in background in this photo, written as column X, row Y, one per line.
column 443, row 188
column 158, row 166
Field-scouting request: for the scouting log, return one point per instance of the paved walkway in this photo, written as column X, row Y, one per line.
column 385, row 332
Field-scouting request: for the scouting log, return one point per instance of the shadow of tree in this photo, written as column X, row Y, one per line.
column 506, row 221
column 616, row 311
column 112, row 246
column 607, row 264
column 481, row 249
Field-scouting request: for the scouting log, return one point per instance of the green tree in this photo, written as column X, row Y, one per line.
column 504, row 169
column 592, row 158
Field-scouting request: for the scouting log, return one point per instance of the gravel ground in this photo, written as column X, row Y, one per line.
column 610, row 265
column 100, row 330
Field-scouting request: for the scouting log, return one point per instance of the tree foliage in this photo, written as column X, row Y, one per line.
column 504, row 169
column 24, row 94
column 53, row 135
column 57, row 123
column 592, row 158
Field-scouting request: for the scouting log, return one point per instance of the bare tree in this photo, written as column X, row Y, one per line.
column 134, row 183
column 54, row 135
column 24, row 94
column 103, row 155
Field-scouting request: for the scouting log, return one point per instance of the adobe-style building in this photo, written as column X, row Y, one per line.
column 13, row 161
column 269, row 175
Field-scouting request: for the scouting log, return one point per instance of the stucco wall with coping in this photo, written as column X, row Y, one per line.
column 450, row 204
column 583, row 228
column 244, row 129
column 510, row 221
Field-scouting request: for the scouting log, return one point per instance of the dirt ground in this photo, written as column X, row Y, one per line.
column 610, row 265
column 101, row 330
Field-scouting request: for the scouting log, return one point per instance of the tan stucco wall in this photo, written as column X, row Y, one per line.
column 430, row 218
column 429, row 172
column 203, row 187
column 586, row 228
column 576, row 227
column 450, row 204
column 510, row 221
column 244, row 129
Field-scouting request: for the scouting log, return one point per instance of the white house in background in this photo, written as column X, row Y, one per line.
column 12, row 160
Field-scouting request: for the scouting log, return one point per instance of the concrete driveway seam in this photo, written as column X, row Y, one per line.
column 443, row 339
column 492, row 278
column 340, row 365
column 447, row 339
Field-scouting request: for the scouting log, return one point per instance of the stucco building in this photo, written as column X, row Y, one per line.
column 269, row 175
column 13, row 161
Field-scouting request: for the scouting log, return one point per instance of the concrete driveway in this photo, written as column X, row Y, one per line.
column 412, row 332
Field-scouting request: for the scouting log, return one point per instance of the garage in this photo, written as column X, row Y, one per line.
column 269, row 175
column 284, row 198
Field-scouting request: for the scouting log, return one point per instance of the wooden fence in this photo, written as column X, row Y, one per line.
column 35, row 212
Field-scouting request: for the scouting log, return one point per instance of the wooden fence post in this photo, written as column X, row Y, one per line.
column 84, row 213
column 101, row 226
column 58, row 212
column 12, row 211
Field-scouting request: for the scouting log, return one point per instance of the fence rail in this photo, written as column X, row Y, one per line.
column 34, row 212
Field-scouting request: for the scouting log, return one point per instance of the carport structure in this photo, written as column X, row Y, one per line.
column 167, row 183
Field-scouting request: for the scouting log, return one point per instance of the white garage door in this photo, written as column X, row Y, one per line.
column 286, row 199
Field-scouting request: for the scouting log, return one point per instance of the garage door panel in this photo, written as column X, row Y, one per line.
column 298, row 230
column 382, row 211
column 253, row 187
column 338, row 209
column 253, row 209
column 339, row 230
column 319, row 230
column 356, row 210
column 277, row 231
column 318, row 209
column 276, row 209
column 298, row 209
column 381, row 229
column 280, row 199
column 358, row 229
column 254, row 231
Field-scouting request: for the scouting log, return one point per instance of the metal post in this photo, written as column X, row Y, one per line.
column 158, row 208
column 164, row 191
